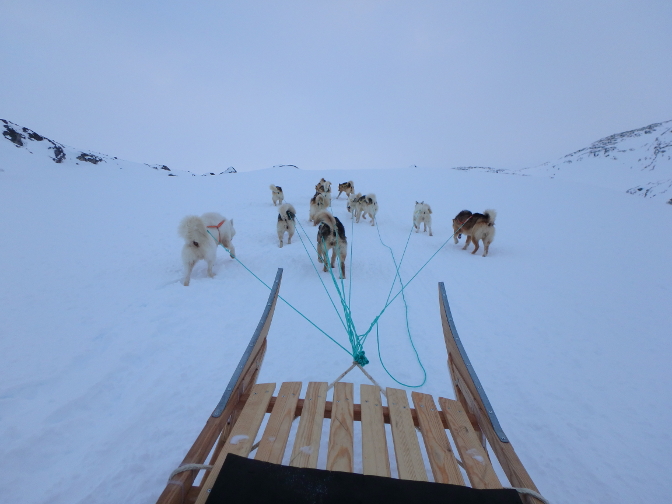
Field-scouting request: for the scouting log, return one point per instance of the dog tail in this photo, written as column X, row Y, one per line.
column 326, row 218
column 272, row 187
column 287, row 211
column 192, row 229
column 491, row 215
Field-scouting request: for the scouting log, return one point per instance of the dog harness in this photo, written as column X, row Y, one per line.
column 219, row 236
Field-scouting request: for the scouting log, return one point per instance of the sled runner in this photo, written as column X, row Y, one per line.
column 244, row 472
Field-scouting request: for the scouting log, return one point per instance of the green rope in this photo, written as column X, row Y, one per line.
column 408, row 328
column 357, row 340
column 283, row 299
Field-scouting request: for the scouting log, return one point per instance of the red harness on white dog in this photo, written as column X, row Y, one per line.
column 219, row 236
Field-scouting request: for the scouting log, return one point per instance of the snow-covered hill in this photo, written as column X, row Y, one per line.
column 111, row 366
column 637, row 162
column 44, row 148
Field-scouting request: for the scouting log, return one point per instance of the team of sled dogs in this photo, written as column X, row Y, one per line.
column 202, row 235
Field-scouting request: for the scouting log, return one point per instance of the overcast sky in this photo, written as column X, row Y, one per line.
column 204, row 85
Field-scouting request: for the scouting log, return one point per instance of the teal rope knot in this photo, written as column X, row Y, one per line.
column 360, row 358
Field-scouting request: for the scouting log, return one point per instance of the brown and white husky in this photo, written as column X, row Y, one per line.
column 317, row 204
column 346, row 187
column 331, row 235
column 324, row 188
column 286, row 222
column 476, row 227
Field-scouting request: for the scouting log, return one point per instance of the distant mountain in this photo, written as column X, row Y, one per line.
column 39, row 145
column 637, row 162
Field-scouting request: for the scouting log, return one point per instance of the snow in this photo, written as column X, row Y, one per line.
column 111, row 367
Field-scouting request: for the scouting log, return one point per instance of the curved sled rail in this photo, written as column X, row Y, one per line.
column 226, row 413
column 470, row 393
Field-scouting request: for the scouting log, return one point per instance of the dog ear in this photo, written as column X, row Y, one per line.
column 416, row 202
column 429, row 208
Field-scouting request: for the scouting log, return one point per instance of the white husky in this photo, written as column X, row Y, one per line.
column 422, row 214
column 286, row 222
column 201, row 237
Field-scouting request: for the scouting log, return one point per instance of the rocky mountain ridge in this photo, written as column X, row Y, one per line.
column 638, row 162
column 34, row 143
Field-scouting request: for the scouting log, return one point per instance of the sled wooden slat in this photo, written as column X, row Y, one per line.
column 474, row 457
column 243, row 433
column 307, row 441
column 273, row 442
column 340, row 453
column 406, row 446
column 375, row 459
column 440, row 454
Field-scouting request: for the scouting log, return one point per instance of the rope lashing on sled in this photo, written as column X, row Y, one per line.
column 353, row 366
column 189, row 467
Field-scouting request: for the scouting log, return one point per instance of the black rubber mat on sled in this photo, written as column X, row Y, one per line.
column 247, row 481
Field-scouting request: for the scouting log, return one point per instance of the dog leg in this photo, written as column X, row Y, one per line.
column 475, row 242
column 232, row 249
column 280, row 236
column 430, row 231
column 466, row 244
column 320, row 254
column 456, row 235
column 486, row 246
column 290, row 233
column 187, row 272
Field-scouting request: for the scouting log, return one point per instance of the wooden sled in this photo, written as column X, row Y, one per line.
column 234, row 424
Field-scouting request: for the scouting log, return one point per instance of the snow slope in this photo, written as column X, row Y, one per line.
column 111, row 366
column 637, row 161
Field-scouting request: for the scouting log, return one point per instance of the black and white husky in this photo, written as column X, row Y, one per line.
column 286, row 222
column 359, row 206
column 422, row 215
column 331, row 235
column 277, row 194
column 201, row 237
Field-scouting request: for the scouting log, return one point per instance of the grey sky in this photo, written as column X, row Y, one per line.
column 335, row 84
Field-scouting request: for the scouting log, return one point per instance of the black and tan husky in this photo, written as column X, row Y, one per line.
column 331, row 235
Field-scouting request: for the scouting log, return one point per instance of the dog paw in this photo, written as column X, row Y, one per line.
column 280, row 245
